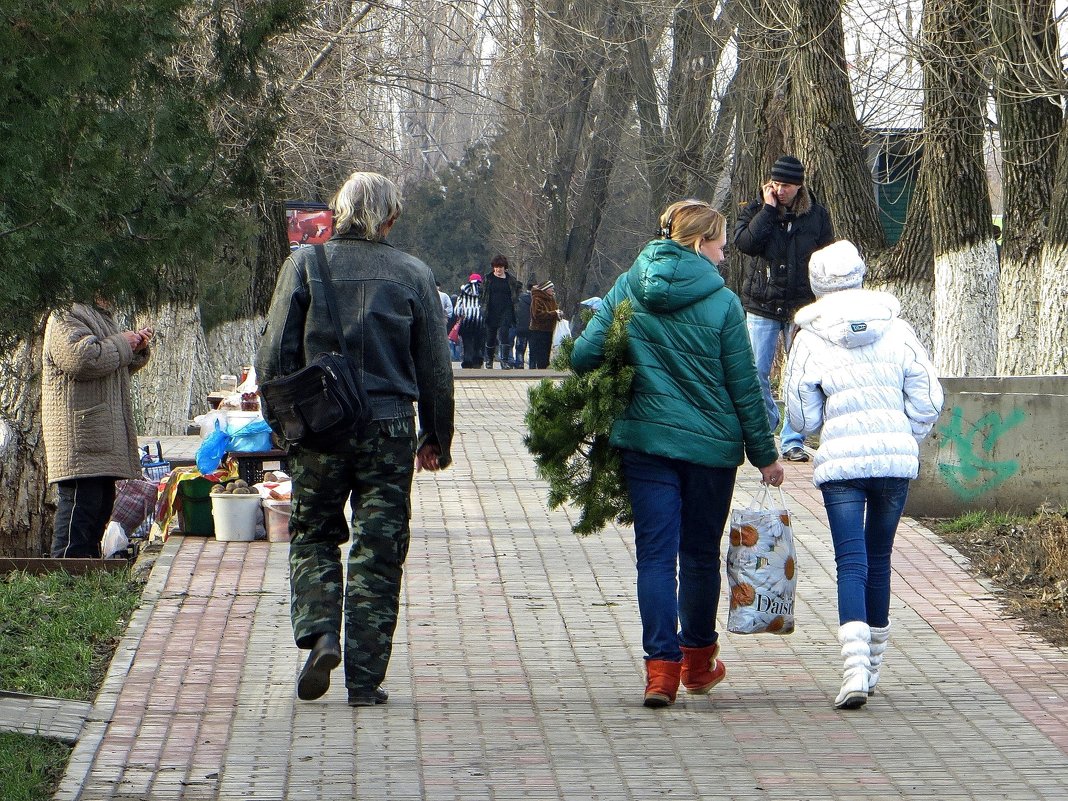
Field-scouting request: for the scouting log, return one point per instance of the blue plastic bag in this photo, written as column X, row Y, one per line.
column 212, row 450
column 254, row 436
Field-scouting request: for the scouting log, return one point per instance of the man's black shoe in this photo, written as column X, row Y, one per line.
column 368, row 697
column 796, row 454
column 314, row 678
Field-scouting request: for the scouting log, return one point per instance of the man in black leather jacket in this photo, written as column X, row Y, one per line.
column 779, row 230
column 394, row 330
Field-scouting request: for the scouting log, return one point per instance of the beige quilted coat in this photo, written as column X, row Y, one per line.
column 86, row 410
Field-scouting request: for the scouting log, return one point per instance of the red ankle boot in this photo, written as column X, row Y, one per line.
column 701, row 670
column 661, row 682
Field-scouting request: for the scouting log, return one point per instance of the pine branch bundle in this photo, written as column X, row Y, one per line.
column 568, row 426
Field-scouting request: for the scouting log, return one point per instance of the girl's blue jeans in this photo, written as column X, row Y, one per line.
column 863, row 514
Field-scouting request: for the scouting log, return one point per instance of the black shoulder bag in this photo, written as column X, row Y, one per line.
column 318, row 406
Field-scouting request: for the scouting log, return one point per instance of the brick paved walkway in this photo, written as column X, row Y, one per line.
column 517, row 672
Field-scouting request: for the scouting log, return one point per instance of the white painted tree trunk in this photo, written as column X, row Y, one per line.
column 173, row 386
column 233, row 345
column 1052, row 351
column 966, row 311
column 185, row 366
column 1018, row 326
column 917, row 304
column 26, row 512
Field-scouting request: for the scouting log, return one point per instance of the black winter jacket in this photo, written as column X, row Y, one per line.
column 393, row 325
column 499, row 296
column 780, row 243
column 522, row 322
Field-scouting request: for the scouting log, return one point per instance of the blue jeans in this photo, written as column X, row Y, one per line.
column 764, row 334
column 863, row 514
column 521, row 347
column 680, row 510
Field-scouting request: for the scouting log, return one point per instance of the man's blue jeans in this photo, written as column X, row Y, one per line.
column 680, row 510
column 764, row 335
column 863, row 514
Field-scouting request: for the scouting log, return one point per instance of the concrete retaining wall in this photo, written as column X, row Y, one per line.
column 1001, row 444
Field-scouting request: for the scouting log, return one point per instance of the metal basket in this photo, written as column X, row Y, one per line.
column 154, row 469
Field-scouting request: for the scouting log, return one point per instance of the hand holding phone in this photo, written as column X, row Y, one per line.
column 768, row 191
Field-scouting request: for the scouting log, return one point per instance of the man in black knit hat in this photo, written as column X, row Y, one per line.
column 779, row 231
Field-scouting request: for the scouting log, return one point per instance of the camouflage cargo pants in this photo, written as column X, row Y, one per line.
column 377, row 469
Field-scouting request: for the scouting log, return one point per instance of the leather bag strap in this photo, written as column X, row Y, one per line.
column 331, row 301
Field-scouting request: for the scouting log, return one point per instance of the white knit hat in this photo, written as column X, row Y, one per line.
column 835, row 267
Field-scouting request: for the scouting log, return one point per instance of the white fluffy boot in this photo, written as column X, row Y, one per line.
column 880, row 635
column 855, row 638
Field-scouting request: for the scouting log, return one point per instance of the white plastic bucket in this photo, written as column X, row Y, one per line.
column 276, row 516
column 235, row 517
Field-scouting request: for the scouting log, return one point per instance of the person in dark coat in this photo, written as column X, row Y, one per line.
column 499, row 292
column 522, row 326
column 779, row 230
column 394, row 329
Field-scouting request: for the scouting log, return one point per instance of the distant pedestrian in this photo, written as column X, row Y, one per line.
column 583, row 312
column 858, row 374
column 392, row 323
column 779, row 230
column 544, row 315
column 696, row 411
column 522, row 326
column 87, row 420
column 468, row 309
column 500, row 291
column 446, row 303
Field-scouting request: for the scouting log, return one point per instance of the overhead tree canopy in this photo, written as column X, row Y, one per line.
column 113, row 163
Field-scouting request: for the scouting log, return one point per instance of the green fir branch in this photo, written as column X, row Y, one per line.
column 569, row 423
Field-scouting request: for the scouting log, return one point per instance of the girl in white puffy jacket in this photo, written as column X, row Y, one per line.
column 858, row 374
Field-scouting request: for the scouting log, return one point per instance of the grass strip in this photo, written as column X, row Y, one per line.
column 30, row 767
column 58, row 632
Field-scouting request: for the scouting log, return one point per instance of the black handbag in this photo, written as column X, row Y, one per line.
column 319, row 405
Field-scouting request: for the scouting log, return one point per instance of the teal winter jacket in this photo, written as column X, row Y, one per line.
column 696, row 395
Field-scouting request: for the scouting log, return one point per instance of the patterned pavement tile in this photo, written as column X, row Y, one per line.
column 517, row 670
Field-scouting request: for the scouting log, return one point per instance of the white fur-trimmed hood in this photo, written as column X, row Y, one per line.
column 858, row 375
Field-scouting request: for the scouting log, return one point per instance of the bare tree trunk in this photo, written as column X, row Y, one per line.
column 698, row 38
column 26, row 511
column 760, row 122
column 907, row 269
column 1052, row 355
column 714, row 184
column 675, row 154
column 589, row 205
column 826, row 132
column 965, row 258
column 174, row 384
column 1030, row 118
column 575, row 69
column 653, row 141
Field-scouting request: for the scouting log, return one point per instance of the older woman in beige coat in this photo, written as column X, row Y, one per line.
column 87, row 419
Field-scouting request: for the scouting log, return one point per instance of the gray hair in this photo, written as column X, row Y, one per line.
column 364, row 203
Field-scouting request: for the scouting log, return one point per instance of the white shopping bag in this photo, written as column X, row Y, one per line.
column 761, row 567
column 563, row 329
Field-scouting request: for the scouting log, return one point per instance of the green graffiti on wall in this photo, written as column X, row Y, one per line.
column 975, row 472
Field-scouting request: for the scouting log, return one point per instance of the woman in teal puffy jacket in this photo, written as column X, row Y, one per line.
column 695, row 413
